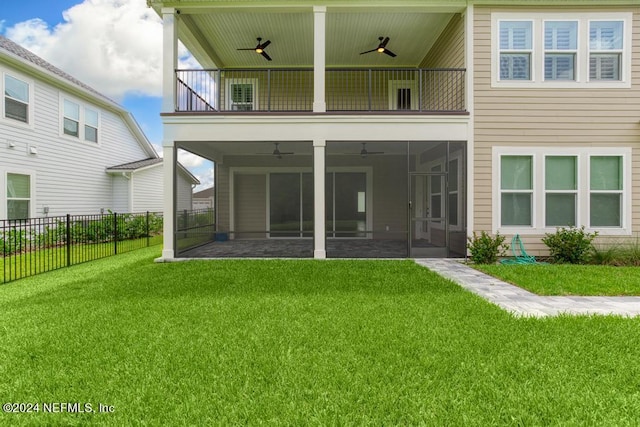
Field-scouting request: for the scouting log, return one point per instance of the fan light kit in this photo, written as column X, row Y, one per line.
column 382, row 47
column 259, row 49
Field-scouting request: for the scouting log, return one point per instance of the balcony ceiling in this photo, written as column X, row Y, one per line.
column 214, row 37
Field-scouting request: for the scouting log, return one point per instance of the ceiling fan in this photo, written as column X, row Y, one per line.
column 276, row 152
column 382, row 47
column 260, row 48
column 364, row 153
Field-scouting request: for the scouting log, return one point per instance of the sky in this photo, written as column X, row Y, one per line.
column 114, row 46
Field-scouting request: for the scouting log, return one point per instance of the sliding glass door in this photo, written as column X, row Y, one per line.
column 291, row 204
column 346, row 204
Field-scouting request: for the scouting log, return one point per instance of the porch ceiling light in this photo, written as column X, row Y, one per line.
column 259, row 49
column 382, row 47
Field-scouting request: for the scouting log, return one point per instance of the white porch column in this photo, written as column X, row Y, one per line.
column 169, row 59
column 319, row 241
column 169, row 220
column 319, row 43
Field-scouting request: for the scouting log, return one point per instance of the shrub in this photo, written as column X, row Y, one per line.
column 485, row 249
column 570, row 245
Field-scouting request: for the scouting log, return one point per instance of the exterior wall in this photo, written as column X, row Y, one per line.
column 250, row 203
column 121, row 194
column 448, row 51
column 185, row 191
column 147, row 189
column 543, row 117
column 70, row 174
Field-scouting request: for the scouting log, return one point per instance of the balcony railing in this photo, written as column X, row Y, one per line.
column 291, row 90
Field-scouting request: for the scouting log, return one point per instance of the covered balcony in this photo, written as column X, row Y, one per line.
column 344, row 57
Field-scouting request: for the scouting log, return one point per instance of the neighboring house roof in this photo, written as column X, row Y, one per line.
column 147, row 163
column 26, row 60
column 204, row 194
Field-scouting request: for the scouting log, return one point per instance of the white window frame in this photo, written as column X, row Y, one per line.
column 583, row 155
column 82, row 123
column 229, row 94
column 30, row 106
column 545, row 51
column 576, row 192
column 531, row 51
column 582, row 80
column 4, row 196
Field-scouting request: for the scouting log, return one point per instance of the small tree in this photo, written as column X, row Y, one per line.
column 570, row 245
column 485, row 249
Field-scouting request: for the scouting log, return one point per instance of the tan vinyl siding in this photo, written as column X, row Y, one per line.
column 539, row 117
column 448, row 51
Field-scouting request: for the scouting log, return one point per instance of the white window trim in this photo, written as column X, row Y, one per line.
column 81, row 122
column 582, row 60
column 228, row 94
column 538, row 203
column 3, row 185
column 30, row 107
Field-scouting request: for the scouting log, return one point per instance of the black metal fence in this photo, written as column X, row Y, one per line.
column 37, row 245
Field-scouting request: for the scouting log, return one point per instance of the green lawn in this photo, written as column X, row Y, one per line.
column 304, row 342
column 565, row 279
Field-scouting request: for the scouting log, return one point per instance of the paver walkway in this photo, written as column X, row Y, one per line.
column 525, row 303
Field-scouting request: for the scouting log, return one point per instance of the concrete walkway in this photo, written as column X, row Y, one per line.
column 523, row 303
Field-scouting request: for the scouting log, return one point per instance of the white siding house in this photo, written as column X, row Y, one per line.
column 58, row 137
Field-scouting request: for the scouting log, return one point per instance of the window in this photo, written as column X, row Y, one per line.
column 242, row 95
column 559, row 49
column 516, row 187
column 71, row 122
column 80, row 121
column 18, row 196
column 91, row 125
column 606, row 185
column 605, row 50
column 515, row 50
column 16, row 99
column 541, row 189
column 561, row 190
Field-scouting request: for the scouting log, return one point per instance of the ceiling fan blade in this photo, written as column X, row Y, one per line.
column 369, row 51
column 384, row 42
column 268, row 58
column 391, row 54
column 265, row 44
column 247, row 48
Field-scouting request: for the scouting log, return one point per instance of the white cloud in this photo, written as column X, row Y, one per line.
column 115, row 46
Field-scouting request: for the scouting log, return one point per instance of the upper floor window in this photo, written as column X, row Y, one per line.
column 242, row 94
column 605, row 50
column 561, row 49
column 16, row 99
column 515, row 50
column 79, row 121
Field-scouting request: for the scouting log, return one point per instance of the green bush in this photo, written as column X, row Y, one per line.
column 485, row 249
column 570, row 245
column 13, row 241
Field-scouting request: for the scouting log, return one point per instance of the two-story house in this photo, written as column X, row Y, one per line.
column 396, row 129
column 65, row 148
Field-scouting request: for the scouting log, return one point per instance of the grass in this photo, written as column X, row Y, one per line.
column 16, row 266
column 301, row 343
column 565, row 279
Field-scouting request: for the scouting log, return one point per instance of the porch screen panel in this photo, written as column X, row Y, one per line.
column 350, row 187
column 284, row 204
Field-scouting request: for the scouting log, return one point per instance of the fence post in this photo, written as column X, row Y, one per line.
column 148, row 231
column 115, row 233
column 68, row 238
